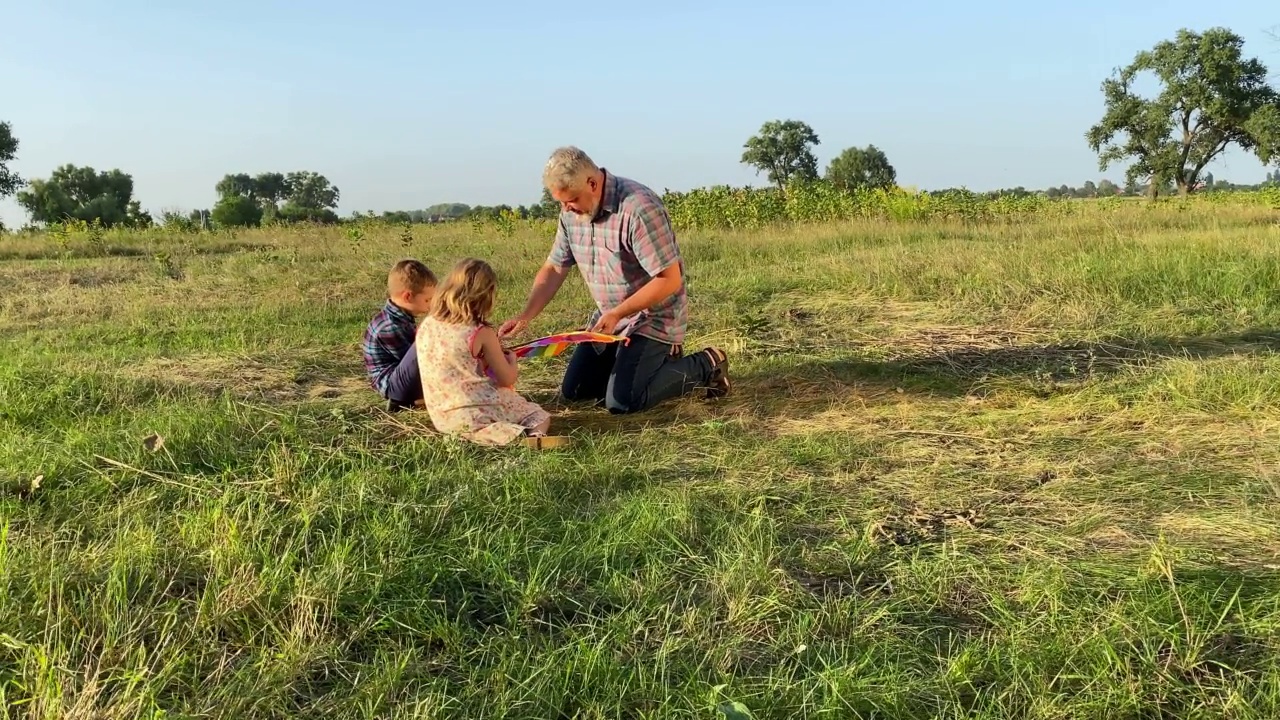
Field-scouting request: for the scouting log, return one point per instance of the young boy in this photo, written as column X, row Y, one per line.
column 389, row 356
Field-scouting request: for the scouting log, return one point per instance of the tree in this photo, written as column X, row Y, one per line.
column 1264, row 128
column 136, row 217
column 270, row 188
column 861, row 168
column 9, row 180
column 81, row 193
column 236, row 211
column 783, row 149
column 1211, row 98
column 238, row 185
column 307, row 196
column 310, row 190
column 549, row 206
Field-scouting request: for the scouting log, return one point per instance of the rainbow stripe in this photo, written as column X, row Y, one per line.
column 553, row 345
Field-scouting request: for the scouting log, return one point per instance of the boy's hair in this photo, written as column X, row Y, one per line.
column 409, row 274
column 467, row 294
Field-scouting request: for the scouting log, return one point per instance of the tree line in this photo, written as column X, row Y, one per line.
column 1210, row 97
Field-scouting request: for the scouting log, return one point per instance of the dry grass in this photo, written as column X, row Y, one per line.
column 968, row 471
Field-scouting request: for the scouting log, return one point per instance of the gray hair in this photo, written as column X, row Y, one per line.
column 567, row 167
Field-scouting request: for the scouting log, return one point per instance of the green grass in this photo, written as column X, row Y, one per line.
column 1016, row 470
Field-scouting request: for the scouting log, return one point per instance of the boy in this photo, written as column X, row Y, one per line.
column 389, row 356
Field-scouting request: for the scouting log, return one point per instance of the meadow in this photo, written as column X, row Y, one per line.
column 983, row 459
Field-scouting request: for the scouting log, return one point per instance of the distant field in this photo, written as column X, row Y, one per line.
column 1024, row 466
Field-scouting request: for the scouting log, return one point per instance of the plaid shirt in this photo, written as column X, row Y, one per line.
column 388, row 337
column 628, row 243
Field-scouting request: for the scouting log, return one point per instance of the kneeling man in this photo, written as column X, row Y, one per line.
column 617, row 232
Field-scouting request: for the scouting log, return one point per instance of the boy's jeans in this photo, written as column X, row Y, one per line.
column 404, row 383
column 634, row 377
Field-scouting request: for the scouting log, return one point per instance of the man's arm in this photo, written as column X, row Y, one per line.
column 665, row 284
column 545, row 285
column 654, row 243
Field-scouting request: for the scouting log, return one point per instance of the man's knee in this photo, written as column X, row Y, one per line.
column 624, row 401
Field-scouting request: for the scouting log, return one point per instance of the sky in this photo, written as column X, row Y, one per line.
column 406, row 104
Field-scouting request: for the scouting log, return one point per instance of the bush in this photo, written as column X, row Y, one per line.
column 236, row 211
column 821, row 202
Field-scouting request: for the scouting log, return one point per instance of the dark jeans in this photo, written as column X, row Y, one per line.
column 404, row 384
column 634, row 377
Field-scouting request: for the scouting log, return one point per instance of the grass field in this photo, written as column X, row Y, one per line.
column 1020, row 469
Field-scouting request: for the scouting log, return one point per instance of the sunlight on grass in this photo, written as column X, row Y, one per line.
column 984, row 470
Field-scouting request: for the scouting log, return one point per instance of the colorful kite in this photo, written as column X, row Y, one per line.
column 553, row 345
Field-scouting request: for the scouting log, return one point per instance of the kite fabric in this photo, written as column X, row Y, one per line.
column 553, row 345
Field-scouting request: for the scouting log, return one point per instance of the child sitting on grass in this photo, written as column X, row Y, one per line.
column 456, row 348
column 390, row 356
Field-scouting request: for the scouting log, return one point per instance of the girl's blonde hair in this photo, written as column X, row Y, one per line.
column 467, row 294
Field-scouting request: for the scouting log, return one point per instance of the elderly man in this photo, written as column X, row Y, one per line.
column 618, row 234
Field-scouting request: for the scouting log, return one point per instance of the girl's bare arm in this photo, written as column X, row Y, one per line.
column 503, row 366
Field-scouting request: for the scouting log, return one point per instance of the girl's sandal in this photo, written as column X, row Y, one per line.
column 546, row 442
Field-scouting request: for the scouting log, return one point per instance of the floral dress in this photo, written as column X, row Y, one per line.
column 460, row 399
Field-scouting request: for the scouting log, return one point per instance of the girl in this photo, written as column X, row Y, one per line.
column 456, row 345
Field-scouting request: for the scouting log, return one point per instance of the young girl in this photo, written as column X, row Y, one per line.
column 456, row 345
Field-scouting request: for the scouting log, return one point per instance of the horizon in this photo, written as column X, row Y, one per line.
column 181, row 97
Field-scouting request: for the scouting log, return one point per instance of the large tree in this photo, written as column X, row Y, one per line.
column 1264, row 127
column 307, row 196
column 9, row 180
column 310, row 190
column 1210, row 97
column 82, row 193
column 784, row 150
column 856, row 168
column 270, row 188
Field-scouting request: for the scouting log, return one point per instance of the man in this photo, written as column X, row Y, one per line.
column 616, row 231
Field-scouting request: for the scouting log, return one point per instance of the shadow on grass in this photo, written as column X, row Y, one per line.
column 780, row 387
column 955, row 370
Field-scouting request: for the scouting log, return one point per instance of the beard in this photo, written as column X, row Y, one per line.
column 588, row 212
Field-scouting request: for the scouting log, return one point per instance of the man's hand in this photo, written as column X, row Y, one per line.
column 512, row 326
column 545, row 286
column 608, row 322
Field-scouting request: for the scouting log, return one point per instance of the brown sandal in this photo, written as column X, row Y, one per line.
column 720, row 383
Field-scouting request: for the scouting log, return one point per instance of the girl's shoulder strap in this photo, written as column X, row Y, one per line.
column 471, row 338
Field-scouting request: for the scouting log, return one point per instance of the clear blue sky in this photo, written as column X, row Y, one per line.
column 405, row 104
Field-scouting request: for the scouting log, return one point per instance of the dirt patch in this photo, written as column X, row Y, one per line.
column 248, row 378
column 924, row 526
column 827, row 585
